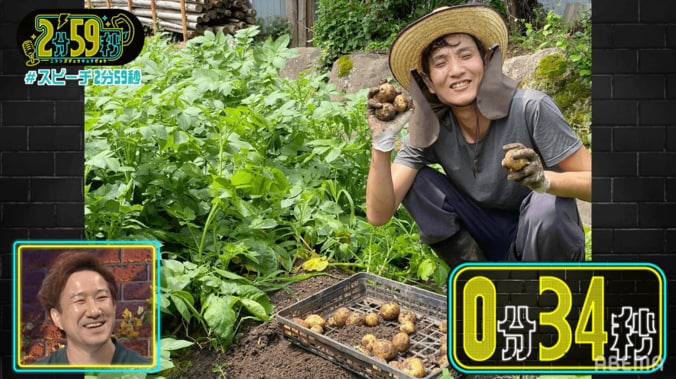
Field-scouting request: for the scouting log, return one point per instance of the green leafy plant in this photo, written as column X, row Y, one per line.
column 240, row 174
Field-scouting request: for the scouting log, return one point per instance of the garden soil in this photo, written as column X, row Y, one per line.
column 260, row 351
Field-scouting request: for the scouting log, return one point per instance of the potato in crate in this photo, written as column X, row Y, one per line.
column 404, row 337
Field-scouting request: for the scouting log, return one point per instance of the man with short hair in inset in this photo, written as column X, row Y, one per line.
column 80, row 294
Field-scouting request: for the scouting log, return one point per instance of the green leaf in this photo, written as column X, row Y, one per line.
column 426, row 269
column 261, row 224
column 220, row 316
column 255, row 309
column 242, row 179
column 171, row 344
column 183, row 301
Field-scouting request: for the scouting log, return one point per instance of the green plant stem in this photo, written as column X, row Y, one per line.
column 210, row 218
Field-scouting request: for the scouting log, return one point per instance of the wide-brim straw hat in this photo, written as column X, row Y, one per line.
column 480, row 21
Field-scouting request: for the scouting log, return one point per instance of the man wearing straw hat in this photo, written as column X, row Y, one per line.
column 466, row 115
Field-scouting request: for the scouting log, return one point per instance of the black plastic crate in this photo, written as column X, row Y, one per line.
column 364, row 292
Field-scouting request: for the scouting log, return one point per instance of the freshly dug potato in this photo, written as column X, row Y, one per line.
column 363, row 349
column 391, row 99
column 389, row 311
column 315, row 319
column 395, row 364
column 339, row 317
column 407, row 327
column 386, row 93
column 384, row 348
column 414, row 366
column 368, row 340
column 401, row 103
column 401, row 342
column 443, row 361
column 408, row 315
column 371, row 319
column 444, row 347
column 355, row 319
column 443, row 326
column 513, row 164
column 317, row 329
column 300, row 322
column 386, row 113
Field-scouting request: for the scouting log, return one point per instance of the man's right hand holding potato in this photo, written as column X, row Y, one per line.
column 387, row 111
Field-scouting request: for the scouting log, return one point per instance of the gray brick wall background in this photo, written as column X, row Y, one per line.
column 634, row 148
column 634, row 141
column 41, row 162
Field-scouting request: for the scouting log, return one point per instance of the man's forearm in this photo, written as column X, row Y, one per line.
column 575, row 184
column 380, row 199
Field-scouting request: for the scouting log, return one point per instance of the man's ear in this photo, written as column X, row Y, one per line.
column 427, row 81
column 56, row 317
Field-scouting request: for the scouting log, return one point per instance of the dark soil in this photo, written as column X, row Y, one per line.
column 262, row 352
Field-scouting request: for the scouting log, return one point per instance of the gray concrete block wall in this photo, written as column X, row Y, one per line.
column 41, row 156
column 634, row 123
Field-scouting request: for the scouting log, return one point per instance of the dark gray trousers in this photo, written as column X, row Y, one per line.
column 547, row 227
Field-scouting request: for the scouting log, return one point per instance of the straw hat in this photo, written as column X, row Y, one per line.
column 481, row 21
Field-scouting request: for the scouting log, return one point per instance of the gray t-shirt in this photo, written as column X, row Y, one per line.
column 534, row 120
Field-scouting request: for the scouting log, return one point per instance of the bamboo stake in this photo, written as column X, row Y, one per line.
column 153, row 16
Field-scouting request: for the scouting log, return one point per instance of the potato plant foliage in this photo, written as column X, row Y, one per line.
column 240, row 174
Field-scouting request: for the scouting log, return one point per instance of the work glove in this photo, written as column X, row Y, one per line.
column 384, row 133
column 525, row 167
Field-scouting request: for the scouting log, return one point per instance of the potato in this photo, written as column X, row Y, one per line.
column 386, row 93
column 513, row 164
column 300, row 322
column 340, row 316
column 363, row 349
column 384, row 349
column 367, row 340
column 395, row 364
column 401, row 103
column 443, row 361
column 401, row 342
column 389, row 311
column 443, row 326
column 443, row 349
column 315, row 319
column 386, row 113
column 407, row 327
column 371, row 319
column 355, row 319
column 408, row 315
column 414, row 366
column 317, row 329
